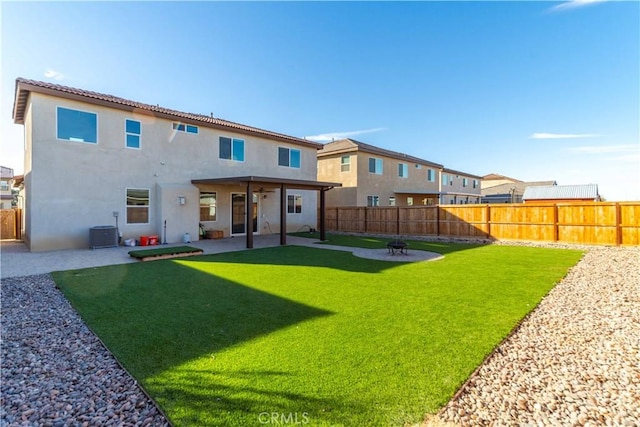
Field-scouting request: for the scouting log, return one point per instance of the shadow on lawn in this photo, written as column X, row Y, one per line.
column 209, row 397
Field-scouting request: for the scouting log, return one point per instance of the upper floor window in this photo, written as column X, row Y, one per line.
column 4, row 186
column 232, row 149
column 345, row 163
column 465, row 182
column 288, row 157
column 373, row 201
column 431, row 175
column 445, row 179
column 182, row 127
column 75, row 125
column 375, row 165
column 132, row 133
column 137, row 206
column 475, row 183
column 294, row 203
column 208, row 206
column 403, row 170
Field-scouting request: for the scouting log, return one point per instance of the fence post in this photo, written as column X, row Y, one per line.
column 398, row 220
column 618, row 224
column 366, row 226
column 437, row 220
column 556, row 232
column 337, row 219
column 488, row 219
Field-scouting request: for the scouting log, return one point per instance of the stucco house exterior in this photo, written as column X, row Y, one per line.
column 502, row 189
column 6, row 184
column 373, row 176
column 93, row 159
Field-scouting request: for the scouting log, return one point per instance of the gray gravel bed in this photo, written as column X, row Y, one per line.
column 575, row 360
column 55, row 372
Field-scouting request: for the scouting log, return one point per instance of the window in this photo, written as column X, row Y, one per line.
column 137, row 206
column 132, row 133
column 288, row 157
column 445, row 179
column 418, row 166
column 4, row 186
column 475, row 183
column 181, row 127
column 74, row 125
column 392, row 201
column 373, row 201
column 232, row 149
column 294, row 204
column 431, row 175
column 375, row 165
column 465, row 182
column 207, row 206
column 409, row 201
column 345, row 163
column 403, row 170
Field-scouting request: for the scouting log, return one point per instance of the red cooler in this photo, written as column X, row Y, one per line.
column 144, row 240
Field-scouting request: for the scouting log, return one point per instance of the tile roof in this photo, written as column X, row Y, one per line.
column 548, row 192
column 25, row 86
column 348, row 145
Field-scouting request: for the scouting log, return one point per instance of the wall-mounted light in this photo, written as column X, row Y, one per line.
column 182, row 200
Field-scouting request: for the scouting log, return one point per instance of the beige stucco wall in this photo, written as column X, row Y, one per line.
column 73, row 186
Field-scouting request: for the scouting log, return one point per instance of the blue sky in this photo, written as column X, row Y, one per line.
column 531, row 90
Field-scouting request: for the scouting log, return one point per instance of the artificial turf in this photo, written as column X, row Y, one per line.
column 310, row 335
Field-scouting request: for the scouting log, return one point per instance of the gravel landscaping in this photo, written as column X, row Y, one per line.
column 574, row 360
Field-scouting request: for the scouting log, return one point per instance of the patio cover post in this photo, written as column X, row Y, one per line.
column 249, row 205
column 283, row 215
column 323, row 235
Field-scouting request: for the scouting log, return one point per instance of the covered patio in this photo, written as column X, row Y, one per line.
column 251, row 183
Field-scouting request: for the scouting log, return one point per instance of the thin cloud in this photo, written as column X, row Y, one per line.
column 606, row 149
column 563, row 135
column 55, row 75
column 574, row 4
column 332, row 136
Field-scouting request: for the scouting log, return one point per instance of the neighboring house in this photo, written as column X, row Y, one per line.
column 459, row 188
column 6, row 184
column 373, row 176
column 501, row 189
column 561, row 193
column 93, row 159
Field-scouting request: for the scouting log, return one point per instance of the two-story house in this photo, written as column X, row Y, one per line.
column 93, row 159
column 6, row 184
column 459, row 188
column 373, row 176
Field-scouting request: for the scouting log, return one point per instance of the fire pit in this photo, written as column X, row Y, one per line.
column 397, row 246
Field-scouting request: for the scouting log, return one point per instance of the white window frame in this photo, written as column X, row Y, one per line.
column 403, row 170
column 465, row 182
column 347, row 163
column 289, row 150
column 297, row 204
column 231, row 159
column 82, row 111
column 373, row 201
column 127, row 206
column 378, row 166
column 215, row 198
column 431, row 175
column 139, row 135
column 176, row 128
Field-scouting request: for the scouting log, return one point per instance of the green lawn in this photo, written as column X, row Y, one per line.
column 310, row 335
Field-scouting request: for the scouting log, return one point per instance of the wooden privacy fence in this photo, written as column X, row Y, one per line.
column 606, row 223
column 11, row 223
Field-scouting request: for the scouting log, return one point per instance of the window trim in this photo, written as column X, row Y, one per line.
column 58, row 107
column 290, row 150
column 295, row 198
column 347, row 163
column 231, row 153
column 375, row 166
column 215, row 198
column 403, row 170
column 431, row 175
column 176, row 128
column 127, row 206
column 126, row 134
column 373, row 201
